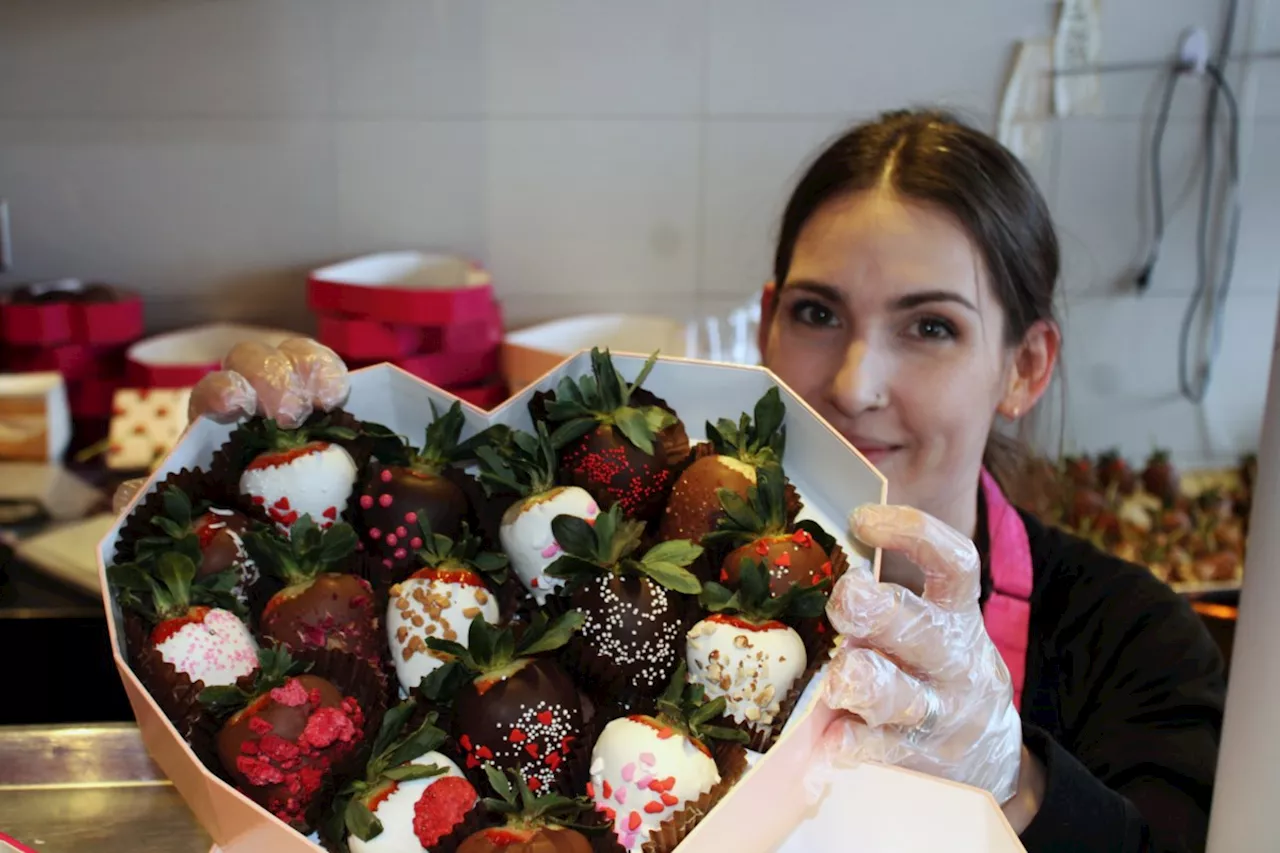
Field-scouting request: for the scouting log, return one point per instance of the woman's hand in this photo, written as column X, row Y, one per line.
column 285, row 383
column 925, row 687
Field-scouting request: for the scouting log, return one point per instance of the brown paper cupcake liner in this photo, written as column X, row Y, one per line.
column 731, row 759
column 197, row 484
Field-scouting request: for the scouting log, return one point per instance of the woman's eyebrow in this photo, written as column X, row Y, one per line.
column 924, row 297
column 817, row 288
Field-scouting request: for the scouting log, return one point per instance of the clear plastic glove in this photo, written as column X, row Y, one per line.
column 924, row 685
column 286, row 383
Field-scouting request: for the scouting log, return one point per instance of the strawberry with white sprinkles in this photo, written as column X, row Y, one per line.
column 298, row 472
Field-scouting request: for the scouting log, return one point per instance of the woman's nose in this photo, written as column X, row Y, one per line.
column 861, row 384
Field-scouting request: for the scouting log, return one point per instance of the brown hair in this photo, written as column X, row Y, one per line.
column 934, row 157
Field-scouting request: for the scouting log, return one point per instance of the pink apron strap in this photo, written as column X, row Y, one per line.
column 1008, row 612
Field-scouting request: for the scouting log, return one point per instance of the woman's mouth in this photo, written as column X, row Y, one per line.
column 874, row 451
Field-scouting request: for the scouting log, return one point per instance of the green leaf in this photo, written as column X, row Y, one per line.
column 707, row 712
column 361, row 822
column 178, row 507
column 222, row 699
column 716, row 598
column 571, row 430
column 169, row 527
column 426, row 739
column 409, row 772
column 643, row 374
column 499, row 782
column 548, row 637
column 753, row 581
column 770, row 411
column 392, row 723
column 612, row 389
column 573, row 569
column 456, row 650
column 337, row 544
column 177, row 572
column 822, row 537
column 482, row 641
column 504, row 647
column 444, row 682
column 635, row 426
column 738, row 513
column 671, row 576
column 564, row 408
column 681, row 552
column 575, row 536
column 305, row 534
column 722, row 733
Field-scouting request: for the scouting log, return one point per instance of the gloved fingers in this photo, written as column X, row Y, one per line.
column 947, row 557
column 924, row 637
column 223, row 396
column 864, row 682
column 322, row 371
column 281, row 394
column 124, row 493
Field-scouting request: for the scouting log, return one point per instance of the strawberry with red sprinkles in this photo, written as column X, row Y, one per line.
column 298, row 472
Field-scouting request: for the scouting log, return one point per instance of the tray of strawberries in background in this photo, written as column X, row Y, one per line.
column 1188, row 528
column 577, row 621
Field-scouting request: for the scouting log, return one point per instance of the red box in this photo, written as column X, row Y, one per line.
column 73, row 361
column 92, row 398
column 359, row 339
column 411, row 288
column 76, row 312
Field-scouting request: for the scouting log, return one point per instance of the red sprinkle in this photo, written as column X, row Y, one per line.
column 331, row 513
column 544, row 717
column 411, row 517
column 532, row 749
column 283, row 503
column 665, row 733
column 608, row 790
column 591, row 789
column 534, row 783
column 669, row 800
column 484, row 752
column 654, row 808
column 516, row 736
column 783, row 560
column 762, row 548
column 553, row 760
column 385, row 476
column 366, row 501
column 384, row 501
column 633, row 822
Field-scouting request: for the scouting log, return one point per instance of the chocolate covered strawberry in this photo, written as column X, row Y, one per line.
column 285, row 736
column 634, row 606
column 1160, row 478
column 756, row 529
column 440, row 599
column 547, row 823
column 525, row 464
column 195, row 621
column 406, row 484
column 745, row 650
column 609, row 445
column 321, row 606
column 519, row 711
column 1115, row 474
column 297, row 472
column 645, row 769
column 410, row 796
column 212, row 536
column 1080, row 471
column 694, row 509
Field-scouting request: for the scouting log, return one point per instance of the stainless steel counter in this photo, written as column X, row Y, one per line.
column 75, row 789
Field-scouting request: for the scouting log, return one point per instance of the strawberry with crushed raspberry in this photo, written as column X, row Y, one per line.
column 285, row 736
column 442, row 807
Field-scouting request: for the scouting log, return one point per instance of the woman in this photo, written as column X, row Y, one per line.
column 912, row 306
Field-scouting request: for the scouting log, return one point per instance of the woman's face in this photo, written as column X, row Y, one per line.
column 888, row 326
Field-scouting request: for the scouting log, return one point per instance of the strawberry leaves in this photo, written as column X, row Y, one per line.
column 762, row 513
column 603, row 398
column 275, row 667
column 465, row 552
column 608, row 545
column 524, row 810
column 517, row 462
column 308, row 550
column 264, row 435
column 684, row 708
column 490, row 647
column 753, row 601
column 759, row 441
column 164, row 586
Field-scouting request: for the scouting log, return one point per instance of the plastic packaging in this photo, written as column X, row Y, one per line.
column 924, row 685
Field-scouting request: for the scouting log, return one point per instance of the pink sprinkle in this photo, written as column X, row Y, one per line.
column 392, row 539
column 366, row 501
column 384, row 500
column 647, row 759
column 551, row 550
column 592, row 509
column 386, row 561
column 628, row 772
column 643, row 781
column 401, row 553
column 401, row 532
column 620, row 794
column 375, row 533
column 415, row 543
column 386, row 476
column 410, row 517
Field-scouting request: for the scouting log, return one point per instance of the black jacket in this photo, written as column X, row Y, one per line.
column 1122, row 702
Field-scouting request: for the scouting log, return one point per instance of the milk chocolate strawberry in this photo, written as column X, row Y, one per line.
column 406, row 484
column 321, row 606
column 745, row 650
column 634, row 606
column 610, row 446
column 519, row 711
column 693, row 509
column 298, row 472
column 379, row 812
column 195, row 621
column 212, row 536
column 547, row 823
column 285, row 736
column 756, row 528
column 525, row 464
column 440, row 599
column 1160, row 478
column 645, row 769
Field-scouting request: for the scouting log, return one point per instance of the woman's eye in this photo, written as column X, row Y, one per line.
column 934, row 328
column 812, row 313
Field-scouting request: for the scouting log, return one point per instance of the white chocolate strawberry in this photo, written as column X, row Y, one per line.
column 395, row 805
column 433, row 603
column 753, row 666
column 208, row 645
column 315, row 479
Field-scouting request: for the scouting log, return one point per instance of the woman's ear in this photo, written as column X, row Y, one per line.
column 768, row 303
column 1033, row 363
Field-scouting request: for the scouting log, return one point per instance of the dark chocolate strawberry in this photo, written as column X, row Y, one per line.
column 518, row 711
column 285, row 736
column 406, row 484
column 1080, row 470
column 612, row 448
column 634, row 606
column 297, row 472
column 377, row 813
column 212, row 536
column 694, row 509
column 321, row 606
column 195, row 621
column 756, row 529
column 1160, row 478
column 547, row 823
column 1114, row 473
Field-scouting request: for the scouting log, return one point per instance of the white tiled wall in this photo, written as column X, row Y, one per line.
column 597, row 155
